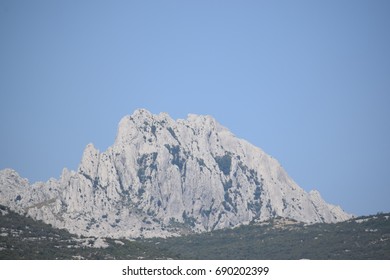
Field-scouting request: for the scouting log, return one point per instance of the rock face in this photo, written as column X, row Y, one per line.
column 163, row 177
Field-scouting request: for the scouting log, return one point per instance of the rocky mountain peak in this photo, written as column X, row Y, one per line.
column 89, row 161
column 163, row 177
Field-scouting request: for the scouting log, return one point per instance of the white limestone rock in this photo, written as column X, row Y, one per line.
column 162, row 178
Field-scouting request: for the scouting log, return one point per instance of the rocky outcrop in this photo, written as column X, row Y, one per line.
column 163, row 177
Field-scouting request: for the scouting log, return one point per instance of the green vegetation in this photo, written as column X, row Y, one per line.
column 361, row 238
column 280, row 240
column 23, row 238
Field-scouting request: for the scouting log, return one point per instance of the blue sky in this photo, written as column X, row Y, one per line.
column 306, row 81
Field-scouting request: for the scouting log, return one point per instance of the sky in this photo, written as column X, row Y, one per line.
column 306, row 81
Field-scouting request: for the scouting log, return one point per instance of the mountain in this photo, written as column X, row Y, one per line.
column 162, row 178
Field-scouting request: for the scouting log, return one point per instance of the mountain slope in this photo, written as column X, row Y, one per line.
column 360, row 238
column 163, row 177
column 364, row 238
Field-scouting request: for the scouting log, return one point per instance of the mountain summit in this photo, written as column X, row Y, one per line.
column 163, row 177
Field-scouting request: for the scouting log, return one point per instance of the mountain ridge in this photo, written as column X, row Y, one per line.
column 163, row 177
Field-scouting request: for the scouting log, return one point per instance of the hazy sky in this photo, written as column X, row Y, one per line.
column 306, row 81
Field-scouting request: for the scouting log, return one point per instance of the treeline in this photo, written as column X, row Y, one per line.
column 363, row 238
column 347, row 240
